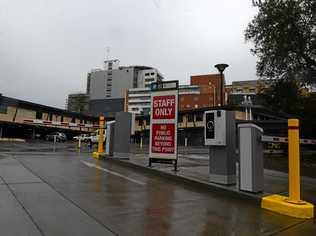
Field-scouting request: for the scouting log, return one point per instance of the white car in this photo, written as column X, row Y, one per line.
column 56, row 136
column 83, row 137
column 94, row 137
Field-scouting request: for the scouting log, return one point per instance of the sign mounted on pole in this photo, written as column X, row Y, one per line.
column 164, row 123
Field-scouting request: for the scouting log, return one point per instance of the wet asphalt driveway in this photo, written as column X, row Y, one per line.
column 63, row 192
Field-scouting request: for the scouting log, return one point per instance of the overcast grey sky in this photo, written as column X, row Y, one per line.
column 48, row 46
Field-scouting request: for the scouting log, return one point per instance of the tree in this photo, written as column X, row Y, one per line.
column 284, row 37
column 283, row 96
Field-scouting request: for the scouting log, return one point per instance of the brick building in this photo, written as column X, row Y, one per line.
column 210, row 92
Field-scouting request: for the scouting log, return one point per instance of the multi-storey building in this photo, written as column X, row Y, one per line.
column 78, row 102
column 203, row 92
column 138, row 99
column 238, row 90
column 210, row 92
column 107, row 88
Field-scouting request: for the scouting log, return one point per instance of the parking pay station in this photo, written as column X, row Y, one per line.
column 251, row 174
column 220, row 135
column 109, row 141
column 122, row 134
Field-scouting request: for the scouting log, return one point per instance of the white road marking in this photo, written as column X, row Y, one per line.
column 89, row 164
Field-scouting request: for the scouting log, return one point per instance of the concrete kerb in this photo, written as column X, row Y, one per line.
column 206, row 186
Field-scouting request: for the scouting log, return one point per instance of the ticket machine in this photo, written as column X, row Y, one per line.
column 109, row 141
column 220, row 136
column 251, row 174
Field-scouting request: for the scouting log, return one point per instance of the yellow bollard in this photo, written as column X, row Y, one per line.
column 294, row 162
column 100, row 141
column 292, row 205
column 100, row 151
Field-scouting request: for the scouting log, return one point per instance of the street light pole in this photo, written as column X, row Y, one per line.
column 214, row 92
column 214, row 95
column 221, row 68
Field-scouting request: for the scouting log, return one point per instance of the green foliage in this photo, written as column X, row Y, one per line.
column 284, row 37
column 283, row 96
column 287, row 96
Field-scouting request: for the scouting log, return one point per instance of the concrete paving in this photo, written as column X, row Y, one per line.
column 191, row 167
column 69, row 193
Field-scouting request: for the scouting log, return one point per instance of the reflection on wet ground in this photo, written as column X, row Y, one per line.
column 48, row 193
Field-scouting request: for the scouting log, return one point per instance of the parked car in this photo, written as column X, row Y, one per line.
column 94, row 137
column 83, row 137
column 60, row 137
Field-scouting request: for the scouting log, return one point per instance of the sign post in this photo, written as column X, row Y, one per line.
column 163, row 146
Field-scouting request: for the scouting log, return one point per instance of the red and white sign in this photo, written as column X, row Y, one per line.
column 164, row 107
column 163, row 138
column 163, row 125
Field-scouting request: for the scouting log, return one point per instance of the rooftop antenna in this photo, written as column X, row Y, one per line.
column 107, row 53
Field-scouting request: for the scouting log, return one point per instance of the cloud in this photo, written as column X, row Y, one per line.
column 47, row 47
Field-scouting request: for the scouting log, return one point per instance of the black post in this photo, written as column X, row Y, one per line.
column 221, row 68
column 222, row 85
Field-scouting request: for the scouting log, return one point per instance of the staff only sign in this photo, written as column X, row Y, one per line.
column 163, row 126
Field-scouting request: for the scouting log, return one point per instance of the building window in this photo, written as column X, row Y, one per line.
column 73, row 119
column 138, row 122
column 146, row 74
column 39, row 115
column 199, row 117
column 50, row 117
column 190, row 117
column 152, row 73
column 126, row 70
column 3, row 109
column 180, row 118
column 88, row 84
